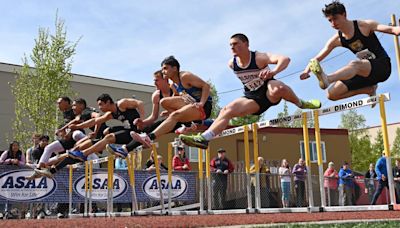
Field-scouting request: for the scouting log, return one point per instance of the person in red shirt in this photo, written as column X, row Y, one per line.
column 221, row 166
column 180, row 161
column 331, row 184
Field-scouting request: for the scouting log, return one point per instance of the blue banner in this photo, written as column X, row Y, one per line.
column 14, row 186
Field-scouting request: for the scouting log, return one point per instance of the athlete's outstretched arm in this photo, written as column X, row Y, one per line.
column 331, row 44
column 375, row 26
column 128, row 103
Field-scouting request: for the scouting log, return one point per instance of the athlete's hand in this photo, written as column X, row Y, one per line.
column 266, row 74
column 138, row 123
column 306, row 73
column 164, row 113
column 57, row 132
column 91, row 135
column 73, row 127
column 304, row 76
column 198, row 105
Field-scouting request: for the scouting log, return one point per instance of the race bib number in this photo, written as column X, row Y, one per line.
column 254, row 84
column 365, row 54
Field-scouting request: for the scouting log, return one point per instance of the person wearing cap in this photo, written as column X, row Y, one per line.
column 331, row 184
column 346, row 185
column 381, row 175
column 396, row 178
column 220, row 166
column 369, row 181
column 180, row 161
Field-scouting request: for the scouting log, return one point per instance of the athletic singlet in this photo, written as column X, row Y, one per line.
column 249, row 75
column 365, row 47
column 68, row 116
column 170, row 94
column 87, row 115
column 194, row 92
column 126, row 117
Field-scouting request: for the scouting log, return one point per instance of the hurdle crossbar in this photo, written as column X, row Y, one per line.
column 353, row 104
column 94, row 161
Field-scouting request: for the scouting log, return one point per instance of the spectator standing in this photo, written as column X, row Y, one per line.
column 221, row 166
column 369, row 181
column 300, row 174
column 284, row 172
column 396, row 178
column 381, row 175
column 331, row 184
column 346, row 185
column 265, row 192
column 180, row 161
column 28, row 156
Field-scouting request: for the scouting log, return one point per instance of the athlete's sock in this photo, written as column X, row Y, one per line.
column 132, row 145
column 208, row 135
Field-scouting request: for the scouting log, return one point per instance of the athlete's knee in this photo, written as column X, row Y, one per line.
column 229, row 111
column 332, row 95
column 175, row 115
column 165, row 102
column 106, row 131
column 77, row 135
column 278, row 89
column 355, row 64
column 109, row 138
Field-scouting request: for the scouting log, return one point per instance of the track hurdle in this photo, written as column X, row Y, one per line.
column 345, row 107
column 201, row 180
column 257, row 167
column 169, row 178
column 396, row 43
column 158, row 174
column 131, row 170
column 308, row 163
column 208, row 179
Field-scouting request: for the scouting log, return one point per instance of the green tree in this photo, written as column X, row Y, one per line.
column 377, row 147
column 215, row 106
column 285, row 112
column 36, row 89
column 299, row 123
column 396, row 144
column 249, row 119
column 360, row 143
column 296, row 123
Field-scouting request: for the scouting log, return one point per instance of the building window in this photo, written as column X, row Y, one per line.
column 313, row 151
column 193, row 154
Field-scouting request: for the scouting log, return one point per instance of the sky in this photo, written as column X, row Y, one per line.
column 127, row 40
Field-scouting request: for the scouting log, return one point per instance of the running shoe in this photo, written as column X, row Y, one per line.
column 44, row 172
column 311, row 104
column 116, row 150
column 194, row 141
column 78, row 155
column 143, row 138
column 316, row 68
column 33, row 176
